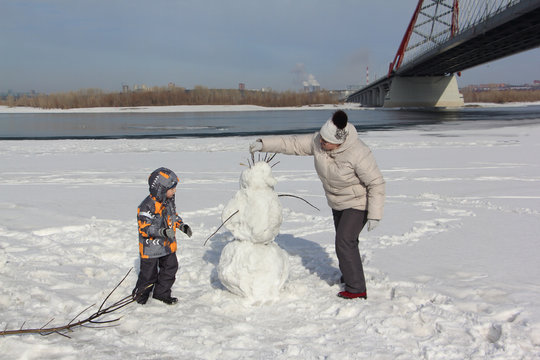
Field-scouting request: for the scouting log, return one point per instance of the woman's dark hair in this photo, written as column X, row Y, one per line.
column 340, row 119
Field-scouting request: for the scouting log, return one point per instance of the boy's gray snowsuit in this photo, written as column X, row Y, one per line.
column 158, row 252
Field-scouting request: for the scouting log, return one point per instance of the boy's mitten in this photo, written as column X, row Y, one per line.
column 168, row 233
column 186, row 229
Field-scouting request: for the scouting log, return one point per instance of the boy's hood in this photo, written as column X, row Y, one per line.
column 160, row 181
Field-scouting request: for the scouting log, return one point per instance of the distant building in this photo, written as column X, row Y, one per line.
column 139, row 88
column 311, row 86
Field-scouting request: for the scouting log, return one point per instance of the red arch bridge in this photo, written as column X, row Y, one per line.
column 445, row 37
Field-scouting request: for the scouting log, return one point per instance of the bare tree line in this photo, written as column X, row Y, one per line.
column 500, row 96
column 89, row 98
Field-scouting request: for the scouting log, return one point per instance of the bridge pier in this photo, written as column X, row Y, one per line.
column 425, row 91
column 410, row 91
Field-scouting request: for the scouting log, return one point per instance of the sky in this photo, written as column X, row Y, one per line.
column 63, row 45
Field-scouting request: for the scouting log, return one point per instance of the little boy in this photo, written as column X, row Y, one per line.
column 158, row 222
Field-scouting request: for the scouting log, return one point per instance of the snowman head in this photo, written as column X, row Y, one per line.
column 258, row 177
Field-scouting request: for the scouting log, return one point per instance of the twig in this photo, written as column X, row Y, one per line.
column 267, row 159
column 234, row 213
column 116, row 287
column 271, row 158
column 220, row 226
column 298, row 197
column 60, row 330
column 75, row 318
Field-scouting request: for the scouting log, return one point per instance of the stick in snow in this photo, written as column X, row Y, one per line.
column 92, row 319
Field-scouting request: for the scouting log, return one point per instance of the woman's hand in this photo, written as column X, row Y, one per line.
column 372, row 224
column 255, row 146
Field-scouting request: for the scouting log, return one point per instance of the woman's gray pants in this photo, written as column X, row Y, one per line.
column 348, row 224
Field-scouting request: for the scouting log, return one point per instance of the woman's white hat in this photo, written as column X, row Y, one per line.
column 332, row 134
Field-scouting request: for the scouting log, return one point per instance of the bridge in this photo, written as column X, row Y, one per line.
column 445, row 37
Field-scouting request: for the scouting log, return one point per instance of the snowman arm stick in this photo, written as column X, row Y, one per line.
column 271, row 157
column 223, row 223
column 298, row 197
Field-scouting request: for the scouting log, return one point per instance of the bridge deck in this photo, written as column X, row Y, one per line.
column 514, row 30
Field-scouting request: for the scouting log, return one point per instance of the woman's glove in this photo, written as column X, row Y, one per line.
column 168, row 233
column 255, row 146
column 372, row 224
column 186, row 229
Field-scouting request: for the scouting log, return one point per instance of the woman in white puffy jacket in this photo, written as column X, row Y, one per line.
column 352, row 182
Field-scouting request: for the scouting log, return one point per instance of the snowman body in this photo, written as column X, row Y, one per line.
column 253, row 265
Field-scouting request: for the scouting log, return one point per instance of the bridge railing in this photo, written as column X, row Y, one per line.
column 437, row 21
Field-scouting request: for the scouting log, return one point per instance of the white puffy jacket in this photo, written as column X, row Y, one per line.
column 349, row 174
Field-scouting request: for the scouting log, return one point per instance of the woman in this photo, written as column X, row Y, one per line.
column 352, row 182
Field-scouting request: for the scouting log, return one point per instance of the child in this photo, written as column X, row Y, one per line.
column 158, row 222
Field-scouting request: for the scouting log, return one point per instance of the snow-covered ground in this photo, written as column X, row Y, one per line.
column 452, row 269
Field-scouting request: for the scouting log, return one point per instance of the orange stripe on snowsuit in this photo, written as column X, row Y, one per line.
column 171, row 245
column 143, row 225
column 178, row 224
column 159, row 207
column 141, row 251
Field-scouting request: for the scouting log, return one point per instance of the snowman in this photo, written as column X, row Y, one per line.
column 253, row 265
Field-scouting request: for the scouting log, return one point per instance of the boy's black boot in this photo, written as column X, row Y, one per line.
column 140, row 297
column 169, row 300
